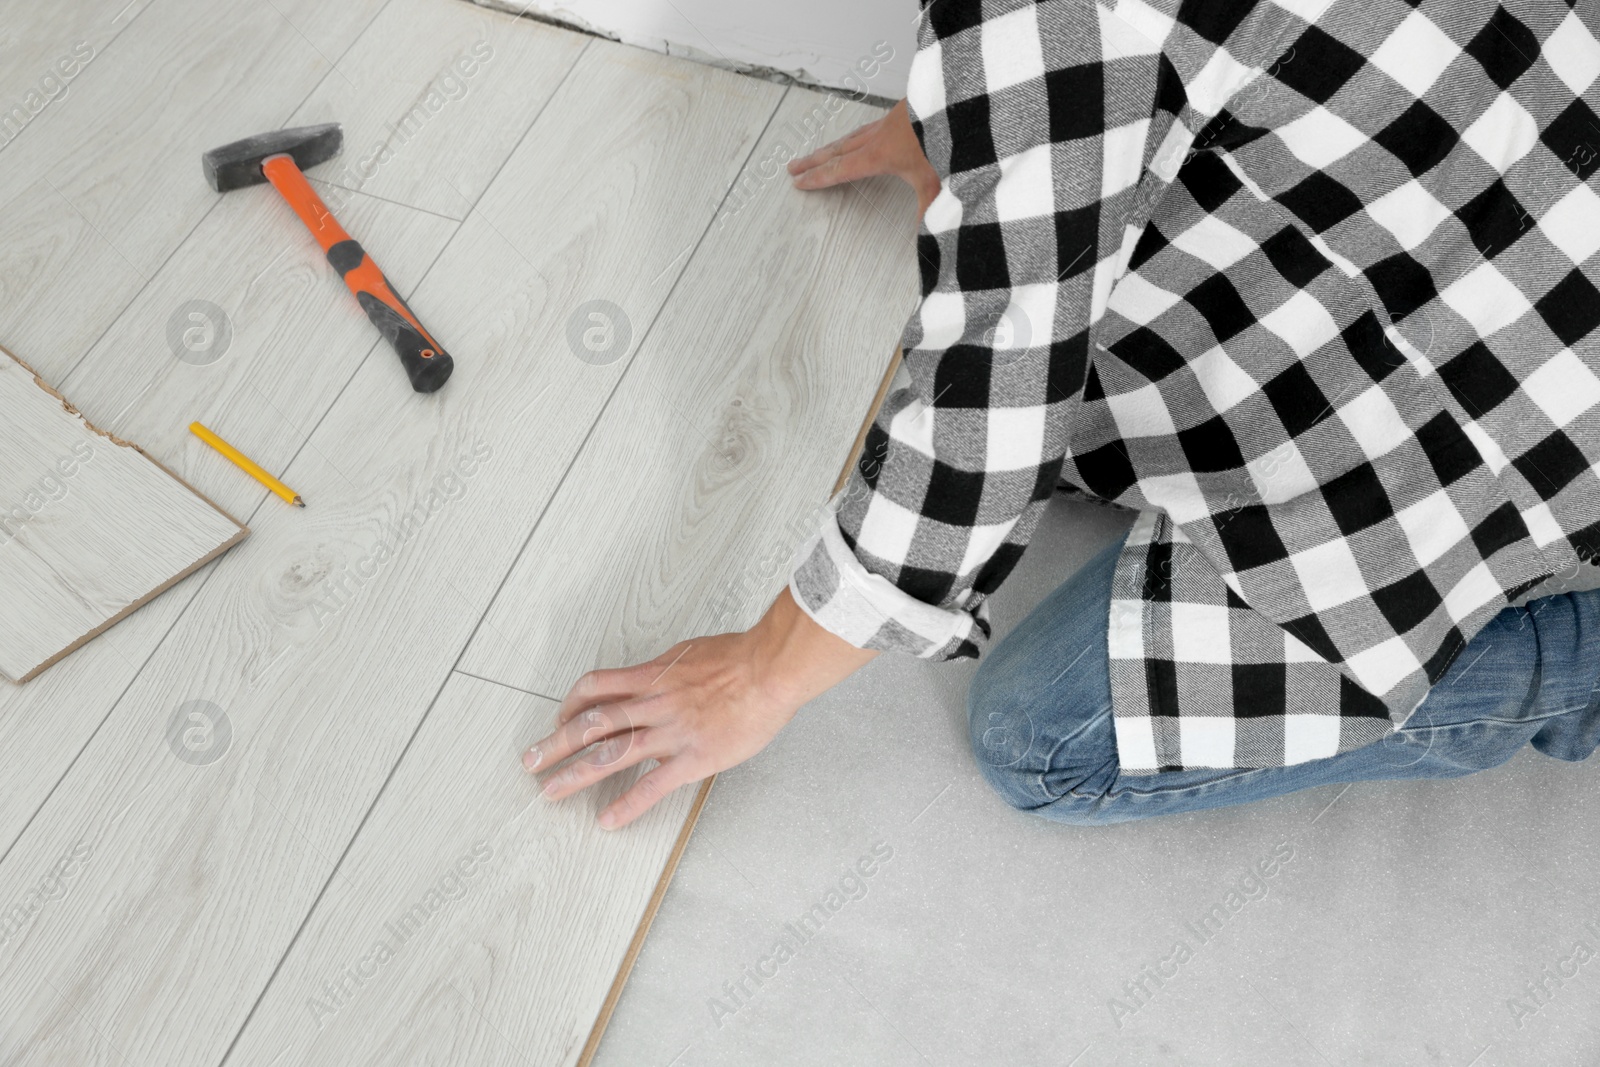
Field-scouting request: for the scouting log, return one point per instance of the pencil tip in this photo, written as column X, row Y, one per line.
column 299, row 503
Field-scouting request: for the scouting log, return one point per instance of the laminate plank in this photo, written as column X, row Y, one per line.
column 61, row 285
column 79, row 237
column 749, row 391
column 46, row 47
column 483, row 931
column 45, row 723
column 323, row 649
column 434, row 98
column 90, row 526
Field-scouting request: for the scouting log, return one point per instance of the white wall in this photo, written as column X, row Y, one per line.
column 837, row 43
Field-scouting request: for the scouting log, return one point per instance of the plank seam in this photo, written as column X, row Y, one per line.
column 508, row 685
column 315, row 180
column 614, row 994
column 472, row 205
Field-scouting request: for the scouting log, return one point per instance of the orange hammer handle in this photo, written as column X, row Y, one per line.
column 425, row 361
column 298, row 193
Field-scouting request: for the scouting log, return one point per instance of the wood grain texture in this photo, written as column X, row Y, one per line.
column 591, row 1045
column 48, row 315
column 46, row 723
column 323, row 650
column 105, row 182
column 47, row 46
column 90, row 526
column 434, row 98
column 482, row 931
column 727, row 433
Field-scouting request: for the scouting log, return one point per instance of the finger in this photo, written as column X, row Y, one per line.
column 644, row 794
column 593, row 725
column 576, row 734
column 839, row 169
column 821, row 155
column 620, row 683
column 849, row 142
column 605, row 759
column 603, row 687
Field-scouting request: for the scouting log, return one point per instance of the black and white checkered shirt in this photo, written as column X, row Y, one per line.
column 1310, row 283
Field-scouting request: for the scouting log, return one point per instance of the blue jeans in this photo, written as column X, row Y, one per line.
column 1039, row 712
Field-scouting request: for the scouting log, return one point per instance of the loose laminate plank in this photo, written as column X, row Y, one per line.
column 323, row 650
column 90, row 526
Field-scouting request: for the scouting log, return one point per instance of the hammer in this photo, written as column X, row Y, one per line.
column 278, row 157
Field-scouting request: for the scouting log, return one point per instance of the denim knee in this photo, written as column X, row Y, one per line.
column 1024, row 760
column 1000, row 733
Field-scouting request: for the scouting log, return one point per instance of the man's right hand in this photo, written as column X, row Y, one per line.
column 887, row 146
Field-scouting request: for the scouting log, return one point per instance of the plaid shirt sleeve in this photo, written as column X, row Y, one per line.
column 1052, row 129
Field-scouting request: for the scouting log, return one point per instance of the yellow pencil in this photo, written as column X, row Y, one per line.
column 244, row 463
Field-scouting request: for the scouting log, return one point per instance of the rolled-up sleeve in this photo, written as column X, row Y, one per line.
column 1052, row 128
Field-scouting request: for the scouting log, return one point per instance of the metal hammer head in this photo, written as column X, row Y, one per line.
column 233, row 166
